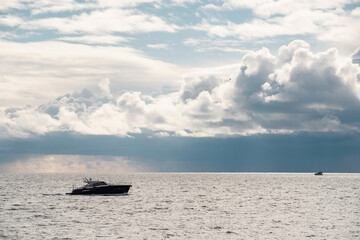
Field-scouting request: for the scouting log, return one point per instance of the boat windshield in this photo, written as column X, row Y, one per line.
column 95, row 183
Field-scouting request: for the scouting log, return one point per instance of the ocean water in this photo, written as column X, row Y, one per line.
column 183, row 206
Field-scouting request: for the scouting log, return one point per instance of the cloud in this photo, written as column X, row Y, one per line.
column 37, row 72
column 314, row 79
column 16, row 4
column 211, row 6
column 263, row 28
column 183, row 2
column 328, row 22
column 332, row 152
column 158, row 46
column 339, row 29
column 283, row 7
column 124, row 3
column 24, row 122
column 295, row 91
column 72, row 164
column 95, row 39
column 10, row 21
column 356, row 56
column 205, row 79
column 104, row 85
column 215, row 44
column 97, row 22
column 53, row 6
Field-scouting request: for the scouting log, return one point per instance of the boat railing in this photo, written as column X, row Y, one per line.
column 87, row 180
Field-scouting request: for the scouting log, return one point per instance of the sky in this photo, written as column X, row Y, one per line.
column 100, row 86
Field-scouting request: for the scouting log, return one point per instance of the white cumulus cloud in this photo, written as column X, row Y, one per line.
column 293, row 91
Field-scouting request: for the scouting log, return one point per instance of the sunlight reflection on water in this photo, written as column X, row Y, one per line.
column 183, row 206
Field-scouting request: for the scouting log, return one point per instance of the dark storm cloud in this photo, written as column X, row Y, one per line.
column 289, row 153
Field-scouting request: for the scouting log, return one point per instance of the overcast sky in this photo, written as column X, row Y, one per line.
column 179, row 85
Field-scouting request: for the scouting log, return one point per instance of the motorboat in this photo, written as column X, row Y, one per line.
column 319, row 173
column 99, row 187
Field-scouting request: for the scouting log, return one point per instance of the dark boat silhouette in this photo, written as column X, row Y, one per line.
column 319, row 173
column 99, row 187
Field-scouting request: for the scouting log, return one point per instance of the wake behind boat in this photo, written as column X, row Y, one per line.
column 99, row 187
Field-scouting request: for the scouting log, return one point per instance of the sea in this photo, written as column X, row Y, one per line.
column 183, row 206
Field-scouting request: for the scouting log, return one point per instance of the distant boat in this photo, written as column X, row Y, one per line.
column 319, row 173
column 99, row 187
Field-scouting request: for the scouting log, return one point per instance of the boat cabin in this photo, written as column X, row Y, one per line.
column 95, row 183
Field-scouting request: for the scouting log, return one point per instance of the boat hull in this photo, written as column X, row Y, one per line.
column 102, row 190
